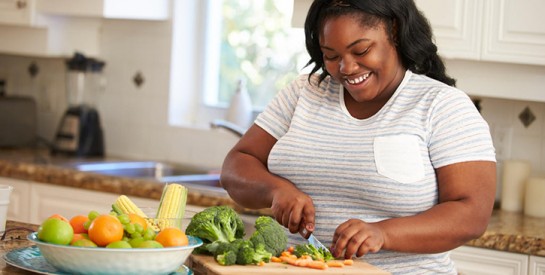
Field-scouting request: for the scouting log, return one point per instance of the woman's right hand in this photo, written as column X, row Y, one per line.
column 292, row 208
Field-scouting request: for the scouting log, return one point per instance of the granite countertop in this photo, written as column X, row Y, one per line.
column 510, row 232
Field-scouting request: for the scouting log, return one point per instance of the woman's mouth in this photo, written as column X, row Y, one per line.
column 357, row 80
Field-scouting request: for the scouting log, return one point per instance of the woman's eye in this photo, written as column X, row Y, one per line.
column 362, row 52
column 330, row 57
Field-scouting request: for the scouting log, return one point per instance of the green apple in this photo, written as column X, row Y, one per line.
column 55, row 231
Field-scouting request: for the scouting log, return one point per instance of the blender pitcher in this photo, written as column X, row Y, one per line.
column 80, row 133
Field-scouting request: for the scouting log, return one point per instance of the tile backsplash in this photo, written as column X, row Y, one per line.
column 135, row 117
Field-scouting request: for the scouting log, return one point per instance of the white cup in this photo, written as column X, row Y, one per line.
column 5, row 192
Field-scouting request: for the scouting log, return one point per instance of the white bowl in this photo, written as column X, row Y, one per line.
column 100, row 260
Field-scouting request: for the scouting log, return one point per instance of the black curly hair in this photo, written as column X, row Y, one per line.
column 405, row 24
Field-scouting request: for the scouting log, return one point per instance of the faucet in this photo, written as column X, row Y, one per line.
column 229, row 126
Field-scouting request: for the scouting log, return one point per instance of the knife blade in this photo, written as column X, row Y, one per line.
column 316, row 243
column 312, row 239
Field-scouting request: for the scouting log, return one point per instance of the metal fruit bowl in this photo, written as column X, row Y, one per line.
column 99, row 260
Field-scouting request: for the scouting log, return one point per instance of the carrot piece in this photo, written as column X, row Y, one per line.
column 287, row 259
column 348, row 262
column 317, row 265
column 262, row 263
column 291, row 249
column 275, row 259
column 335, row 264
column 285, row 253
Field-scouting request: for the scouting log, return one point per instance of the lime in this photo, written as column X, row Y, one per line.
column 149, row 244
column 119, row 244
column 55, row 231
column 84, row 242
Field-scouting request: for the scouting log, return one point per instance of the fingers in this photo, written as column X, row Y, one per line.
column 295, row 211
column 355, row 237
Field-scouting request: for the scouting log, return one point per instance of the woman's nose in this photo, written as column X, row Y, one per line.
column 347, row 66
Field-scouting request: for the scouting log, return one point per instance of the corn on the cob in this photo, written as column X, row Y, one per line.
column 172, row 206
column 124, row 205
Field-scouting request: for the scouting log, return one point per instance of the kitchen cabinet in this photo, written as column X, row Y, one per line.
column 480, row 261
column 46, row 199
column 111, row 9
column 17, row 12
column 489, row 30
column 537, row 265
column 18, row 204
column 32, row 202
column 58, row 28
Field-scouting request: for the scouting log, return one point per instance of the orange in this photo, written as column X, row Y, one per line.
column 77, row 223
column 172, row 236
column 60, row 217
column 134, row 218
column 79, row 236
column 105, row 229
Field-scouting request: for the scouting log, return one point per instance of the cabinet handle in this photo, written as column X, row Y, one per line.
column 21, row 4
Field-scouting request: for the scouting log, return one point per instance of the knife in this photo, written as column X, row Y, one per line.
column 313, row 240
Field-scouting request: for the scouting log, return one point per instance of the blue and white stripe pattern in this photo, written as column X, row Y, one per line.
column 333, row 156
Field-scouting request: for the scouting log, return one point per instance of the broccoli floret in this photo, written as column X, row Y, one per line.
column 271, row 234
column 246, row 253
column 216, row 224
column 261, row 254
column 313, row 252
column 227, row 258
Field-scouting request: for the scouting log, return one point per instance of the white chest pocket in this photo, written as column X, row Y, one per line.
column 399, row 158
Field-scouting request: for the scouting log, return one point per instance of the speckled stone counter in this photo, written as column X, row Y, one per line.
column 510, row 232
column 40, row 167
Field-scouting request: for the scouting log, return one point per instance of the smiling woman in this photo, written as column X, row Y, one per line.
column 230, row 40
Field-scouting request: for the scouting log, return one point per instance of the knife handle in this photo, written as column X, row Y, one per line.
column 304, row 232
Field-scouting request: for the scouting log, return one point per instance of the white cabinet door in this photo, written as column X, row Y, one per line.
column 515, row 31
column 18, row 209
column 17, row 12
column 480, row 261
column 114, row 9
column 456, row 26
column 47, row 200
column 537, row 265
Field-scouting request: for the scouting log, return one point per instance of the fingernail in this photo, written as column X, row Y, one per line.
column 310, row 227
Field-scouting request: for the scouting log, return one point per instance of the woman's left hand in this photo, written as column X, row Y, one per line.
column 356, row 237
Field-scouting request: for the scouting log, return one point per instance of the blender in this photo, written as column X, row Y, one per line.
column 80, row 132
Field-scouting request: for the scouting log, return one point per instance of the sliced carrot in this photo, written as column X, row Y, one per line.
column 348, row 262
column 287, row 259
column 317, row 265
column 285, row 253
column 291, row 249
column 275, row 259
column 335, row 264
column 262, row 263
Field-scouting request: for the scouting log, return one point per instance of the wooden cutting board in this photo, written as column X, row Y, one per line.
column 206, row 265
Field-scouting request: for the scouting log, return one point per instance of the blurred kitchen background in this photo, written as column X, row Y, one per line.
column 171, row 67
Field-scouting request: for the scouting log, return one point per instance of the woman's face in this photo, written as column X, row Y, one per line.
column 363, row 59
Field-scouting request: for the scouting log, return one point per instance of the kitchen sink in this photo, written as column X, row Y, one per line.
column 192, row 177
column 137, row 169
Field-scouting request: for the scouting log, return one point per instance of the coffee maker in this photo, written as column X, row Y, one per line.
column 80, row 132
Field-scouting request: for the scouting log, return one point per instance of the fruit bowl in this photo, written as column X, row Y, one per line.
column 99, row 260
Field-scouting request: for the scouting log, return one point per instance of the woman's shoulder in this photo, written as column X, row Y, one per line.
column 426, row 85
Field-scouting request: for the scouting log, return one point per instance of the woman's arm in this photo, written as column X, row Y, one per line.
column 466, row 199
column 248, row 181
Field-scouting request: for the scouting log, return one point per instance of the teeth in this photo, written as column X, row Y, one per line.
column 358, row 80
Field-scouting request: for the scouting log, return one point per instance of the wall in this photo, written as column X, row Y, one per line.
column 135, row 119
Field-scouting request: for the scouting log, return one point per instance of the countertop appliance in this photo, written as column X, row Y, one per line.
column 18, row 124
column 80, row 132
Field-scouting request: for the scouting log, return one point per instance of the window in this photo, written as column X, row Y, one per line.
column 249, row 39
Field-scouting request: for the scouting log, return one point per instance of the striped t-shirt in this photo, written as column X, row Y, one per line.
column 376, row 168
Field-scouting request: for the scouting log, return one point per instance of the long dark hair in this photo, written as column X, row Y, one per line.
column 405, row 24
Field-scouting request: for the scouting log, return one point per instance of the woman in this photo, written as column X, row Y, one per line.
column 375, row 151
